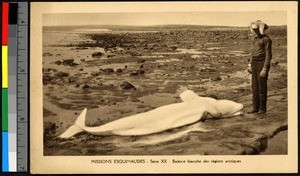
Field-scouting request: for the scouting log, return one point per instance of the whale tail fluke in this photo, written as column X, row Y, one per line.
column 81, row 119
column 77, row 127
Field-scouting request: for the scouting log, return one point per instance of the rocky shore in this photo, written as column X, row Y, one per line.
column 117, row 74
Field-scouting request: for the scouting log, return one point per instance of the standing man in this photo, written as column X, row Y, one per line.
column 259, row 66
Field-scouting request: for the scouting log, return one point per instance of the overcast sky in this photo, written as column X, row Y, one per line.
column 163, row 18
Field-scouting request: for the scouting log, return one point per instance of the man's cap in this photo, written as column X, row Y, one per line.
column 259, row 24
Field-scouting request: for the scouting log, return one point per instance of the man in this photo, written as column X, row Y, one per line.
column 259, row 66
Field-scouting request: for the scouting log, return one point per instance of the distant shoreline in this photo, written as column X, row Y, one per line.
column 147, row 28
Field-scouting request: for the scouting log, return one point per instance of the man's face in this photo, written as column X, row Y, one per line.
column 256, row 31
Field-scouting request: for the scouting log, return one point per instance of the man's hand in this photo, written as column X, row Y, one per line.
column 249, row 70
column 263, row 72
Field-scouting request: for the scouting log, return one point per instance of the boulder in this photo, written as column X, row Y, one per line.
column 141, row 72
column 47, row 78
column 119, row 70
column 49, row 126
column 85, row 86
column 69, row 62
column 97, row 54
column 58, row 62
column 134, row 74
column 138, row 72
column 95, row 73
column 73, row 79
column 127, row 85
column 47, row 54
column 107, row 70
column 61, row 74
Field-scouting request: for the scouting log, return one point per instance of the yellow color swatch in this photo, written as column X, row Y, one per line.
column 4, row 67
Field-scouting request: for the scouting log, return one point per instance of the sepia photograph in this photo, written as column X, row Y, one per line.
column 164, row 83
column 122, row 79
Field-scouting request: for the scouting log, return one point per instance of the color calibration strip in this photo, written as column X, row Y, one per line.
column 5, row 162
column 9, row 86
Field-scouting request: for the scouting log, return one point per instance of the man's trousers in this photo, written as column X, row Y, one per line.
column 259, row 86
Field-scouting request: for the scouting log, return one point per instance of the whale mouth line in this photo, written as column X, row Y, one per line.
column 238, row 111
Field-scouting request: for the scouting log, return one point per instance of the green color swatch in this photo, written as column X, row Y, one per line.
column 4, row 110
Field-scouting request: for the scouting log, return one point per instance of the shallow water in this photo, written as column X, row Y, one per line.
column 277, row 145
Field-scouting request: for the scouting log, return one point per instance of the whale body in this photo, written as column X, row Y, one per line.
column 192, row 109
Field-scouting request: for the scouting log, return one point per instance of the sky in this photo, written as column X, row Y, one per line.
column 239, row 19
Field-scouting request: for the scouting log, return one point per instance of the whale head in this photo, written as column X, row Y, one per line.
column 230, row 108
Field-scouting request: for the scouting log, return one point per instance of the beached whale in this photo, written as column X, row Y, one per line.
column 193, row 109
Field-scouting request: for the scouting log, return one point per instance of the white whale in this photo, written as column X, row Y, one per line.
column 193, row 109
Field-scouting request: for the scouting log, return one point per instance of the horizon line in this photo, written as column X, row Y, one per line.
column 153, row 25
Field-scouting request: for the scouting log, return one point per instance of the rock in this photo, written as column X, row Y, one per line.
column 134, row 74
column 275, row 63
column 141, row 61
column 142, row 66
column 61, row 74
column 173, row 47
column 110, row 55
column 49, row 127
column 207, row 70
column 141, row 72
column 58, row 62
column 77, row 85
column 125, row 66
column 47, row 54
column 69, row 62
column 47, row 70
column 96, row 73
column 213, row 96
column 196, row 56
column 97, row 54
column 119, row 70
column 82, row 60
column 47, row 78
column 127, row 85
column 81, row 69
column 216, row 78
column 85, row 86
column 82, row 48
column 120, row 49
column 107, row 70
column 136, row 54
column 72, row 79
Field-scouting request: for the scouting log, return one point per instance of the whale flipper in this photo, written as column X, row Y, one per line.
column 188, row 95
column 77, row 127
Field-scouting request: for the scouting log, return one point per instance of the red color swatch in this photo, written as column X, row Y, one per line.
column 4, row 23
